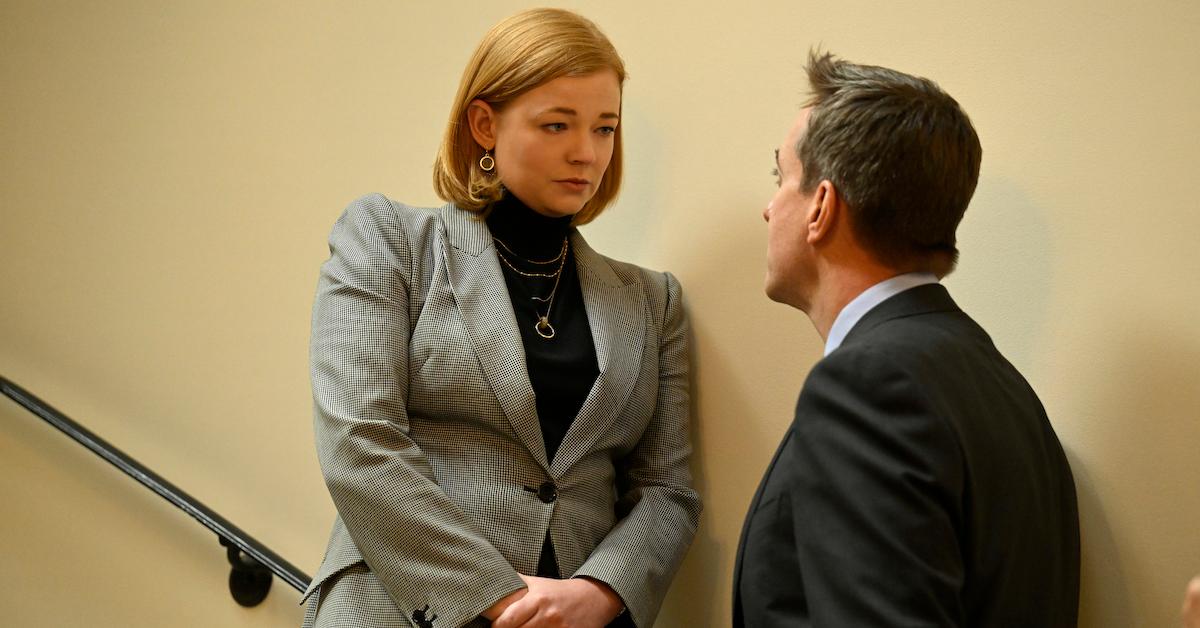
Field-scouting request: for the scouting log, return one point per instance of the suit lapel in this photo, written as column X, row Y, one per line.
column 617, row 315
column 482, row 296
column 741, row 546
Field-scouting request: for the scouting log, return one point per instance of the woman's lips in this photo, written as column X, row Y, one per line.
column 575, row 185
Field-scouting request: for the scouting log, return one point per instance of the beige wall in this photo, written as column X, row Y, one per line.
column 169, row 172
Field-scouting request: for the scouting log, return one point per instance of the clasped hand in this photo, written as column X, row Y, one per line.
column 552, row 603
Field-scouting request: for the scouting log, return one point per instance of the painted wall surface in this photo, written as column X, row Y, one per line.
column 169, row 173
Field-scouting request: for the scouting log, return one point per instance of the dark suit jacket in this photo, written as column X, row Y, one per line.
column 921, row 484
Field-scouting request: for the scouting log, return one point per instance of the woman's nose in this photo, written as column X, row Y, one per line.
column 582, row 150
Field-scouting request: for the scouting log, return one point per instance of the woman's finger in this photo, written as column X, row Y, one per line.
column 516, row 614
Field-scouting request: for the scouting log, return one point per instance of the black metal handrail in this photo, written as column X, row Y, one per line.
column 252, row 562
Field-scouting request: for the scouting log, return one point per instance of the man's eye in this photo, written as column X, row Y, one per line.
column 778, row 180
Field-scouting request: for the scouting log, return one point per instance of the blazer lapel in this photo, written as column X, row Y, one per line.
column 617, row 315
column 482, row 296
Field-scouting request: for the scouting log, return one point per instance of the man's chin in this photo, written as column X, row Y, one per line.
column 780, row 294
column 774, row 292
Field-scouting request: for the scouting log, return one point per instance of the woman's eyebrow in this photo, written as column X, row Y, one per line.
column 571, row 112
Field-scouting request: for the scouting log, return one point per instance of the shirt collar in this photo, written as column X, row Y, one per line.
column 867, row 300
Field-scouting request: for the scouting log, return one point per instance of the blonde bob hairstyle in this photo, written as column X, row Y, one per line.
column 518, row 54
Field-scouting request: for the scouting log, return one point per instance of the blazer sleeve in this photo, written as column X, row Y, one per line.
column 874, row 490
column 422, row 547
column 657, row 509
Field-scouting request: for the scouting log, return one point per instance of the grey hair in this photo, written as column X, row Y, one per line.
column 901, row 153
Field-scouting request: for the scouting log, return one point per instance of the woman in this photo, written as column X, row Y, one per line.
column 497, row 405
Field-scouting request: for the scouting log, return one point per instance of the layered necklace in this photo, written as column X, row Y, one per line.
column 542, row 326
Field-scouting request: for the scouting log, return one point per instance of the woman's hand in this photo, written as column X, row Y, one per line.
column 498, row 608
column 571, row 603
column 1191, row 604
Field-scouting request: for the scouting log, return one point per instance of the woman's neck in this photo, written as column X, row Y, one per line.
column 528, row 233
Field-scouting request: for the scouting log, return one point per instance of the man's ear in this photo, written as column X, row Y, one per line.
column 824, row 213
column 481, row 117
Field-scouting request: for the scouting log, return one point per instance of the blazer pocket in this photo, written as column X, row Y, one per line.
column 325, row 574
column 339, row 554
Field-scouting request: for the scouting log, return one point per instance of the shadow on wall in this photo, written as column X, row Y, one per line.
column 1136, row 477
column 1006, row 270
column 748, row 362
column 92, row 543
column 696, row 580
column 1103, row 598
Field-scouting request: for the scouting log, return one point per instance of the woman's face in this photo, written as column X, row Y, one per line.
column 554, row 142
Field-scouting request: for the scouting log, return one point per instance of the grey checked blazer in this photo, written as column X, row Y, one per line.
column 428, row 436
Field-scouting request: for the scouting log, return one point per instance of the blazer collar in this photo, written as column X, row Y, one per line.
column 465, row 231
column 616, row 314
column 924, row 299
column 479, row 290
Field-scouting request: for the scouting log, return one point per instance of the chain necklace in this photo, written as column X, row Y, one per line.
column 560, row 260
column 542, row 326
column 561, row 253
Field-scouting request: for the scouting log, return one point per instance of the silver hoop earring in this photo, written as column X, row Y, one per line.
column 487, row 163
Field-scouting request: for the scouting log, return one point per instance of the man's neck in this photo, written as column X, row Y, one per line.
column 839, row 286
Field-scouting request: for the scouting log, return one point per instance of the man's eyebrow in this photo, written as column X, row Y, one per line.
column 776, row 158
column 571, row 112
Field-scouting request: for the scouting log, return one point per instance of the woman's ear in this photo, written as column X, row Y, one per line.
column 481, row 117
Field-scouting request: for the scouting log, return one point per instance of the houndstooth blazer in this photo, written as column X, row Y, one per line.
column 428, row 436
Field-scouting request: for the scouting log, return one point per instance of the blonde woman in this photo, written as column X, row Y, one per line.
column 502, row 412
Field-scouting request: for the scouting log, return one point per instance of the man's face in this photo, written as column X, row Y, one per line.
column 790, row 268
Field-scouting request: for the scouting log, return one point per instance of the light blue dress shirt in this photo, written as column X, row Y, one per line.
column 867, row 300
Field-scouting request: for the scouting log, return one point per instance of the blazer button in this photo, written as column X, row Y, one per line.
column 547, row 492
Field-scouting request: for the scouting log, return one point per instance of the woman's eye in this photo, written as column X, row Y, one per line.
column 555, row 127
column 778, row 180
column 606, row 130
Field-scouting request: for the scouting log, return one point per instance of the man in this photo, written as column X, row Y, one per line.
column 921, row 483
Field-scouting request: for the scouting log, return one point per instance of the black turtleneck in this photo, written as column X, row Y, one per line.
column 562, row 369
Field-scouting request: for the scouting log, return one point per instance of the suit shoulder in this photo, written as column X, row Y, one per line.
column 862, row 362
column 662, row 288
column 896, row 361
column 656, row 283
column 946, row 358
column 878, row 394
column 927, row 337
column 382, row 212
column 375, row 232
column 662, row 291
